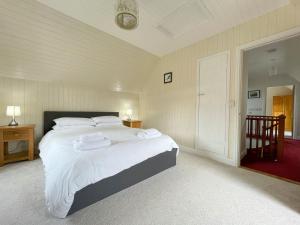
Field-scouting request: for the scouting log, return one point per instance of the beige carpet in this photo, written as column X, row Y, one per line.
column 197, row 191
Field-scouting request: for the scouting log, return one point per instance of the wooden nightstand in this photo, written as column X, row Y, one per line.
column 133, row 123
column 16, row 133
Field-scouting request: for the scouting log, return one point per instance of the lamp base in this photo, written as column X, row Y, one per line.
column 13, row 122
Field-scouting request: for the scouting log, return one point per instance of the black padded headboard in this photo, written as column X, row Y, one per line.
column 49, row 116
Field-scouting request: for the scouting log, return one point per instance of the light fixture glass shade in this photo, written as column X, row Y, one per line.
column 127, row 14
column 13, row 111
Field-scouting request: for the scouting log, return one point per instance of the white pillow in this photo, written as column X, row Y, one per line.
column 74, row 121
column 57, row 127
column 106, row 119
column 109, row 124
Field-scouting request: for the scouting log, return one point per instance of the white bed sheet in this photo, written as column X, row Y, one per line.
column 68, row 170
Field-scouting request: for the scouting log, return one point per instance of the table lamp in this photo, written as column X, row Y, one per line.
column 129, row 114
column 13, row 111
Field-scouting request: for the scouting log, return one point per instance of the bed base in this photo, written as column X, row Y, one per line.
column 135, row 174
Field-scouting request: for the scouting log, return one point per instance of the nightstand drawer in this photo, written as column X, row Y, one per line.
column 133, row 123
column 136, row 124
column 15, row 135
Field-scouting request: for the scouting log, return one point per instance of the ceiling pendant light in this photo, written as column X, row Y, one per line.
column 127, row 14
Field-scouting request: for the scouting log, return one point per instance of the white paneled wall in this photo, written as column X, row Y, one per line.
column 172, row 107
column 35, row 97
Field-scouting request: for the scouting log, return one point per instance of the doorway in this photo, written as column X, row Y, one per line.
column 280, row 101
column 270, row 97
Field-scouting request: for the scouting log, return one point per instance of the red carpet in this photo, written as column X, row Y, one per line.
column 289, row 167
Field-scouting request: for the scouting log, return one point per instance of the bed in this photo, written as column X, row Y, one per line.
column 96, row 191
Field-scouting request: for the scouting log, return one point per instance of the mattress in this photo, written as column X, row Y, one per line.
column 68, row 170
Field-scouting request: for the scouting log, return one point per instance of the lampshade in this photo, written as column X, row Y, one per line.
column 13, row 111
column 127, row 14
column 129, row 112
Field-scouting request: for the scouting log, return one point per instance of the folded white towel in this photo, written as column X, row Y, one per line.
column 96, row 136
column 149, row 133
column 92, row 145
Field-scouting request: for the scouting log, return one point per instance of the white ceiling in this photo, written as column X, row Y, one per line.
column 167, row 25
column 279, row 58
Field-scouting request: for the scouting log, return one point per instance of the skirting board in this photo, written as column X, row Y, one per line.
column 208, row 155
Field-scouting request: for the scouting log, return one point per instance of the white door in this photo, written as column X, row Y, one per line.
column 213, row 113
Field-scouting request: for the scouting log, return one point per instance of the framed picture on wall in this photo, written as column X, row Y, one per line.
column 254, row 94
column 168, row 77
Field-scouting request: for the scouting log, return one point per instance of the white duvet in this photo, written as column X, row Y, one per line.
column 68, row 170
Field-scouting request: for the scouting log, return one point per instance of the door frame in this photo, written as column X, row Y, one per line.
column 239, row 80
column 205, row 152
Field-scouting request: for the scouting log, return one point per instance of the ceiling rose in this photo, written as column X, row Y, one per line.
column 127, row 14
